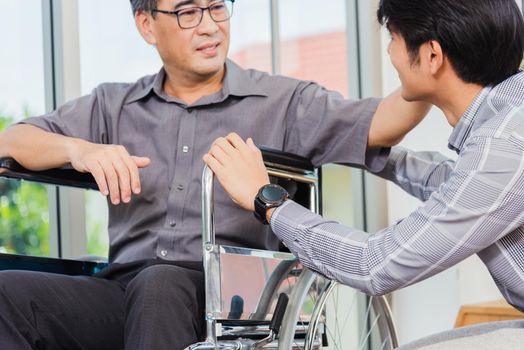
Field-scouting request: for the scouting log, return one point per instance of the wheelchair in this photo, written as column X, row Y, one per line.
column 275, row 302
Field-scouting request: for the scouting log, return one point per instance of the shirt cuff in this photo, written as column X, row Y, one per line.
column 374, row 158
column 286, row 222
column 389, row 171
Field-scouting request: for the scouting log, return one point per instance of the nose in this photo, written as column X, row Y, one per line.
column 207, row 25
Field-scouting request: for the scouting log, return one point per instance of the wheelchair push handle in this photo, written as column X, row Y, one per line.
column 208, row 224
column 274, row 159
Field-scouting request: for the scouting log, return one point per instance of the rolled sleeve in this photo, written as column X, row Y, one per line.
column 418, row 173
column 80, row 118
column 327, row 128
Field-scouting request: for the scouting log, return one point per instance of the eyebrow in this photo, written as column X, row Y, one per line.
column 185, row 2
column 189, row 2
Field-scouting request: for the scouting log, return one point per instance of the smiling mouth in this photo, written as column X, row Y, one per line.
column 208, row 47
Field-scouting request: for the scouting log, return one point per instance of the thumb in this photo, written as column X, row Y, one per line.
column 141, row 162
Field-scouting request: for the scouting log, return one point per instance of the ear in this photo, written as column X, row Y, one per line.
column 435, row 56
column 144, row 24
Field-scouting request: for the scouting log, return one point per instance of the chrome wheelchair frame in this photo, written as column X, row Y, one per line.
column 288, row 167
column 287, row 321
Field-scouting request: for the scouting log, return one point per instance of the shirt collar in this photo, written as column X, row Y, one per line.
column 465, row 125
column 237, row 82
column 145, row 85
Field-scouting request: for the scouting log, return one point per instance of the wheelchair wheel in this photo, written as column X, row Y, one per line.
column 354, row 320
column 342, row 318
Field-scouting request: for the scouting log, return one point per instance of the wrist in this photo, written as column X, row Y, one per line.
column 72, row 146
column 269, row 197
column 269, row 214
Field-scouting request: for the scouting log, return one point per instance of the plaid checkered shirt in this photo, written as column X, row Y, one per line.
column 473, row 205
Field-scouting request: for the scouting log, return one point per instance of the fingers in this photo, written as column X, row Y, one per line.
column 233, row 146
column 123, row 168
column 134, row 178
column 126, row 173
column 213, row 163
column 141, row 162
column 251, row 145
column 134, row 163
column 226, row 146
column 247, row 149
column 239, row 168
column 98, row 173
column 237, row 142
column 223, row 151
column 111, row 177
column 115, row 171
column 219, row 154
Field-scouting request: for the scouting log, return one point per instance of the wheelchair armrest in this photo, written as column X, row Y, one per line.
column 10, row 168
column 63, row 177
column 286, row 161
column 53, row 265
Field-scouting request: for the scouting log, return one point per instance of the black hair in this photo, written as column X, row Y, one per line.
column 483, row 39
column 143, row 5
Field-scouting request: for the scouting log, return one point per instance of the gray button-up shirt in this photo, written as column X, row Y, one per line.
column 472, row 205
column 164, row 221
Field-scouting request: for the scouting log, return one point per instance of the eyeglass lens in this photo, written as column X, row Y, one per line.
column 220, row 11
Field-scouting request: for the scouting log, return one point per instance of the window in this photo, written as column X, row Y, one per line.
column 251, row 35
column 24, row 211
column 313, row 42
column 313, row 46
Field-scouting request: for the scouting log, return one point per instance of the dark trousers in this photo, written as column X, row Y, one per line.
column 149, row 305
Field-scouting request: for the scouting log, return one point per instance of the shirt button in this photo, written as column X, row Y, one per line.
column 180, row 187
column 163, row 253
column 189, row 110
column 185, row 149
column 172, row 223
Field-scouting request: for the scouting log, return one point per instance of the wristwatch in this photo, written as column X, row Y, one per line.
column 269, row 196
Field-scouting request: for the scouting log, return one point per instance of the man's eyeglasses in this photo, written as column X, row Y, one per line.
column 191, row 17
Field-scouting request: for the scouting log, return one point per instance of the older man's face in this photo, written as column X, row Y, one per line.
column 201, row 50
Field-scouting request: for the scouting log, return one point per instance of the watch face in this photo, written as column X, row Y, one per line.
column 273, row 194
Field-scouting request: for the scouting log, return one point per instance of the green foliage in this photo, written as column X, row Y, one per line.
column 24, row 214
column 24, row 223
column 96, row 227
column 5, row 121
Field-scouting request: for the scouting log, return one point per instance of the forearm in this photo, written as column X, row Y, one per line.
column 417, row 173
column 425, row 243
column 35, row 148
column 394, row 118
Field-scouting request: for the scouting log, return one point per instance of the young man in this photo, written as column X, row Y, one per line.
column 464, row 58
column 143, row 143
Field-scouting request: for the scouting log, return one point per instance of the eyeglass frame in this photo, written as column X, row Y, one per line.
column 202, row 9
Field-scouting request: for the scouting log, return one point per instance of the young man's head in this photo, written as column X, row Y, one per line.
column 192, row 36
column 481, row 41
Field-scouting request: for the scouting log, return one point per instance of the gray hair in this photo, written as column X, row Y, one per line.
column 143, row 5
